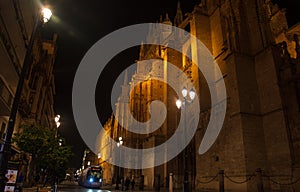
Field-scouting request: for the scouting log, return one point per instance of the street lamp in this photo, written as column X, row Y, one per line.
column 56, row 119
column 42, row 17
column 119, row 143
column 47, row 13
column 183, row 104
column 99, row 156
column 178, row 104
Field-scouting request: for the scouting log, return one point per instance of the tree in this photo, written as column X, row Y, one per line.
column 33, row 140
column 46, row 149
column 56, row 160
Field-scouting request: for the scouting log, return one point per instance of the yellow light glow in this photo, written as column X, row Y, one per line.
column 47, row 13
column 178, row 104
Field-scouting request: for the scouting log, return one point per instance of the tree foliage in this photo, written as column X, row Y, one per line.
column 48, row 151
column 33, row 139
column 57, row 157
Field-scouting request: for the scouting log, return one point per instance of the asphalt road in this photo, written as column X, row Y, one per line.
column 67, row 187
column 76, row 188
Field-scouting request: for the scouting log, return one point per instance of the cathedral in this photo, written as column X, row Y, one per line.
column 258, row 147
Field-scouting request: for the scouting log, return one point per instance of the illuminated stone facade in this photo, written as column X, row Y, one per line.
column 262, row 127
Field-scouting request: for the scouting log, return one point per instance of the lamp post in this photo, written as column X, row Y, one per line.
column 119, row 143
column 183, row 104
column 42, row 17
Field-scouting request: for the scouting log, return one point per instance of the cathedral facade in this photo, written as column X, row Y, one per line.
column 258, row 148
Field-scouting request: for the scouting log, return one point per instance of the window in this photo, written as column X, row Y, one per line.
column 2, row 130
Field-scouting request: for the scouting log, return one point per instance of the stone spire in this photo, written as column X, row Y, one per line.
column 297, row 48
column 167, row 17
column 160, row 19
column 178, row 17
column 126, row 78
column 142, row 50
column 167, row 20
column 123, row 98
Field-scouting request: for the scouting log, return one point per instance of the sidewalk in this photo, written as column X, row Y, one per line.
column 162, row 189
column 48, row 189
column 45, row 189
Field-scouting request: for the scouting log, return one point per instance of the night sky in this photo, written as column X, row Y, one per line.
column 80, row 24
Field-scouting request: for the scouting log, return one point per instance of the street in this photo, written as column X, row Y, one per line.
column 66, row 187
column 74, row 187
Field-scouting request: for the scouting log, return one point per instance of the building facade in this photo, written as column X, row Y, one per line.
column 15, row 35
column 259, row 57
column 17, row 20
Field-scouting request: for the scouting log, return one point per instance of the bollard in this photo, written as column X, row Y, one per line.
column 18, row 189
column 141, row 187
column 186, row 184
column 171, row 182
column 260, row 187
column 117, row 183
column 157, row 182
column 221, row 181
column 122, row 184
